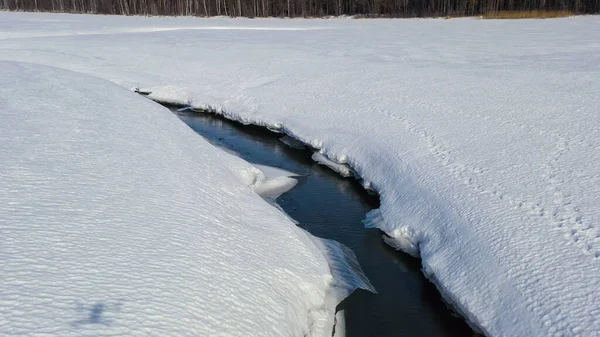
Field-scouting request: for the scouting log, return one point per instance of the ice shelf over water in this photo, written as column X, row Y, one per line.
column 482, row 137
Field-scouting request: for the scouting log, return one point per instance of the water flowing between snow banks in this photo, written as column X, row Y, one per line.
column 331, row 207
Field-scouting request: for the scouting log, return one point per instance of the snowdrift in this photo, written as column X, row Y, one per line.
column 117, row 219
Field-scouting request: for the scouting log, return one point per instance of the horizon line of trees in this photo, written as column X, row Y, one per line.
column 300, row 8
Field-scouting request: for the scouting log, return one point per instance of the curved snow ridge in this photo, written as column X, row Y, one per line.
column 117, row 218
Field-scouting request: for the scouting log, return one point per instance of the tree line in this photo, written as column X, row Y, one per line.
column 301, row 8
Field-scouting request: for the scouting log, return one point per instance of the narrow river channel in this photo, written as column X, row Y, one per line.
column 333, row 207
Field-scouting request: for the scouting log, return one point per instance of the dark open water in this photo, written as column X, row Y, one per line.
column 332, row 207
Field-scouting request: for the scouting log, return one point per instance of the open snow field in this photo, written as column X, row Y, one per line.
column 481, row 137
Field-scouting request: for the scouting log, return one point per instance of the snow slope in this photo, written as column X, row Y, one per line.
column 481, row 137
column 117, row 219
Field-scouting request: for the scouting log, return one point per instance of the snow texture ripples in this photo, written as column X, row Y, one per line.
column 481, row 137
column 117, row 219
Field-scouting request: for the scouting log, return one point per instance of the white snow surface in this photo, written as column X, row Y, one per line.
column 118, row 219
column 341, row 169
column 481, row 137
column 269, row 182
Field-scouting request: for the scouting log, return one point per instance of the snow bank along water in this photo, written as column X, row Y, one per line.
column 481, row 137
column 330, row 206
column 116, row 218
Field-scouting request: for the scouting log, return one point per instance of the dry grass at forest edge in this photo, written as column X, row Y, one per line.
column 527, row 14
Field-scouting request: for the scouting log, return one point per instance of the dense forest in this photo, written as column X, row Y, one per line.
column 301, row 8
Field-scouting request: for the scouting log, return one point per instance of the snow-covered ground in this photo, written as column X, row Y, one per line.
column 482, row 137
column 117, row 219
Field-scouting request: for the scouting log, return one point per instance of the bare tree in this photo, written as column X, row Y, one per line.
column 305, row 8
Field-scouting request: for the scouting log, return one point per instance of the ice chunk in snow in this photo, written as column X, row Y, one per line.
column 402, row 237
column 271, row 182
column 343, row 169
column 273, row 188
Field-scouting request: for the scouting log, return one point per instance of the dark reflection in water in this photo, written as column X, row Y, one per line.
column 331, row 207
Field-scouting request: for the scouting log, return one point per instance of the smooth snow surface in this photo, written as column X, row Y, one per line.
column 481, row 137
column 117, row 219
